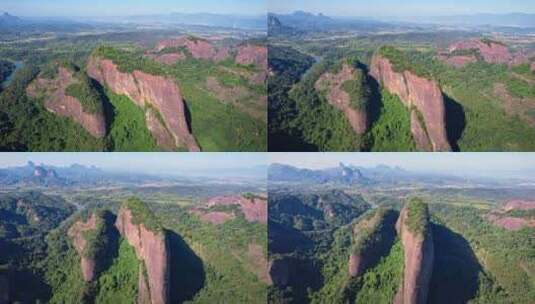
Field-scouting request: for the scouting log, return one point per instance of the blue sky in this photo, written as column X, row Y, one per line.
column 168, row 163
column 451, row 163
column 402, row 7
column 129, row 7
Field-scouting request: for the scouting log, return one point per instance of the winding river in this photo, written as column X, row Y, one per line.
column 18, row 66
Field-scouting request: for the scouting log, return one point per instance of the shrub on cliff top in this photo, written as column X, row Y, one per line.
column 418, row 216
column 358, row 90
column 401, row 62
column 87, row 94
column 141, row 214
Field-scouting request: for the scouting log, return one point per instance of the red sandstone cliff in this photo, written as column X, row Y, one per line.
column 152, row 250
column 419, row 256
column 422, row 94
column 76, row 233
column 161, row 93
column 56, row 101
column 340, row 99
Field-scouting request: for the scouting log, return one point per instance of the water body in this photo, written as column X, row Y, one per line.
column 18, row 66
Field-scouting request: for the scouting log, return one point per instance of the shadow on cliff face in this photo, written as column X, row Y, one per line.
column 187, row 275
column 455, row 121
column 456, row 268
column 109, row 110
column 375, row 104
column 112, row 246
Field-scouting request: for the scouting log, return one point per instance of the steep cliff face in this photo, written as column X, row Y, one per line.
column 56, row 101
column 151, row 247
column 77, row 233
column 372, row 238
column 457, row 61
column 161, row 93
column 533, row 66
column 417, row 240
column 418, row 94
column 339, row 98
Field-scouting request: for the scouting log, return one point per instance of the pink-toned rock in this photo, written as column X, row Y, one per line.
column 253, row 54
column 254, row 209
column 491, row 51
column 163, row 138
column 217, row 217
column 519, row 205
column 199, row 48
column 458, row 61
column 533, row 66
column 415, row 91
column 419, row 256
column 161, row 93
column 355, row 265
column 76, row 233
column 260, row 263
column 168, row 59
column 513, row 223
column 56, row 101
column 152, row 250
column 419, row 134
column 340, row 99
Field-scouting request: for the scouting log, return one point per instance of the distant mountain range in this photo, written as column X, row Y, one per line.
column 315, row 22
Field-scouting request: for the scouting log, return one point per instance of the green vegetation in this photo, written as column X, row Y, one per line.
column 27, row 125
column 358, row 90
column 520, row 88
column 380, row 284
column 506, row 256
column 128, row 131
column 119, row 283
column 523, row 69
column 84, row 90
column 392, row 131
column 217, row 125
column 141, row 214
column 417, row 216
column 401, row 62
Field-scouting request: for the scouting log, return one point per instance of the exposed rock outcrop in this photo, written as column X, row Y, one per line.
column 77, row 233
column 160, row 92
column 457, row 61
column 513, row 215
column 253, row 207
column 533, row 66
column 137, row 225
column 418, row 94
column 372, row 239
column 417, row 241
column 253, row 54
column 491, row 51
column 339, row 98
column 56, row 101
column 197, row 47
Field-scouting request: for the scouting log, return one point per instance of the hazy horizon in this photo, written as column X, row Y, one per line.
column 126, row 8
column 150, row 163
column 480, row 164
column 392, row 9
